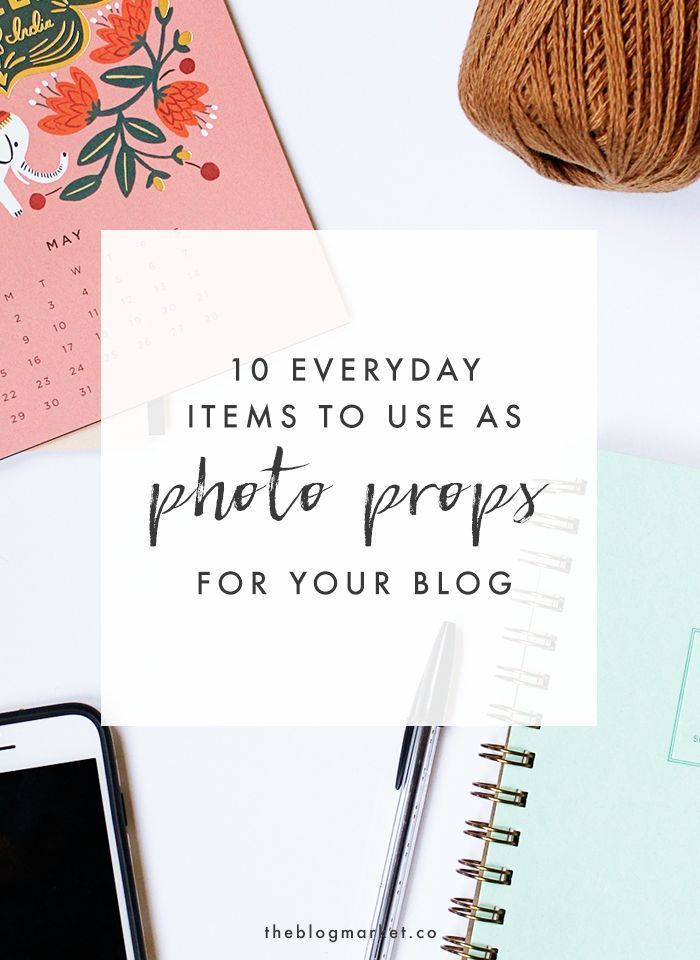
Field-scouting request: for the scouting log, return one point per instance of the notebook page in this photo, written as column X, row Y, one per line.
column 610, row 834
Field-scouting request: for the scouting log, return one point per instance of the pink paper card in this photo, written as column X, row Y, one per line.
column 140, row 114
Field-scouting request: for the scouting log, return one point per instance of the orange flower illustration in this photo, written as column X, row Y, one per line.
column 178, row 104
column 74, row 107
column 124, row 142
column 126, row 33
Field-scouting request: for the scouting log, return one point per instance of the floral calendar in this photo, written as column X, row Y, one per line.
column 139, row 114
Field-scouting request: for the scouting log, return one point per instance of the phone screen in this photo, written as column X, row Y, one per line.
column 58, row 897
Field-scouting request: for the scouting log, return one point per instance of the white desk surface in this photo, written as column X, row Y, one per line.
column 364, row 98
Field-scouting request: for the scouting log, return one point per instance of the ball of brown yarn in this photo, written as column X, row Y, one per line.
column 596, row 93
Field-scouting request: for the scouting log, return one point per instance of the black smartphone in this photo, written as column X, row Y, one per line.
column 66, row 881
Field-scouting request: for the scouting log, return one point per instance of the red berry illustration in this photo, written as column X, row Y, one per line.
column 37, row 201
column 187, row 65
column 210, row 171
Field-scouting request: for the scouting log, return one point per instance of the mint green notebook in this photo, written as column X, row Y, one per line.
column 608, row 854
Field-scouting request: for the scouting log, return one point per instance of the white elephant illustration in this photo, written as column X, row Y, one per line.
column 14, row 140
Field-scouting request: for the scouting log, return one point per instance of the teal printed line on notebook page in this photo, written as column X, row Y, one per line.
column 685, row 743
column 609, row 841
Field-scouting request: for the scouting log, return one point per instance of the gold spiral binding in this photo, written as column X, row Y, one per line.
column 487, row 832
column 497, row 794
column 471, row 910
column 528, row 638
column 524, row 678
column 507, row 755
column 476, row 870
column 515, row 717
column 461, row 947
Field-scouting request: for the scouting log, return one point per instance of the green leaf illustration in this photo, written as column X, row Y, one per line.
column 81, row 188
column 135, row 76
column 98, row 147
column 125, row 169
column 144, row 130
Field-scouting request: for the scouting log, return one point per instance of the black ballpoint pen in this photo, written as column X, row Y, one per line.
column 412, row 778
